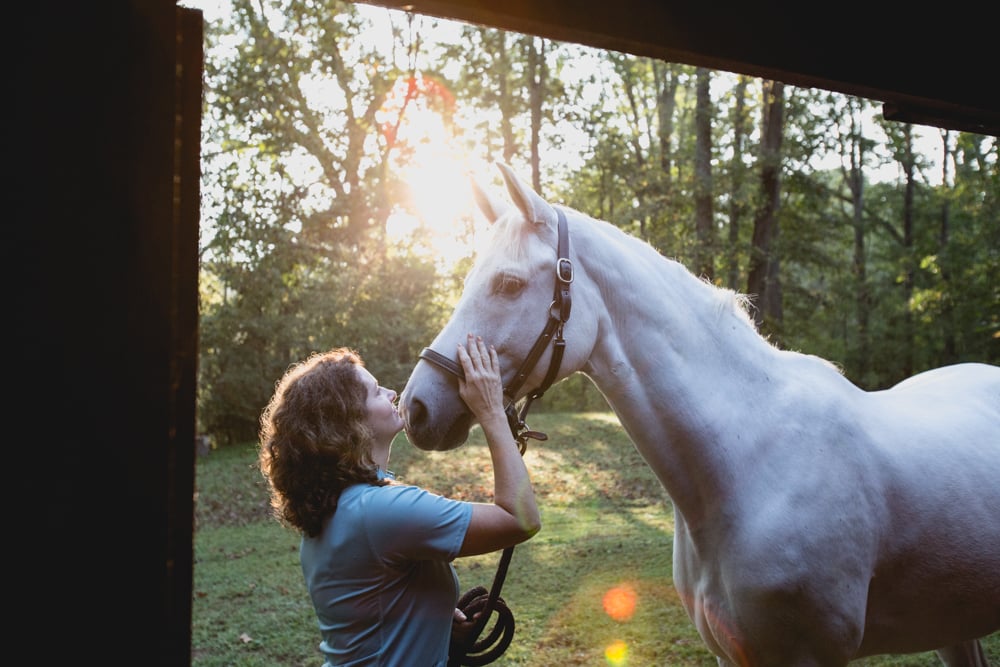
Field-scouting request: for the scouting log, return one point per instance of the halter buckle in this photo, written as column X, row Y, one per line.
column 564, row 270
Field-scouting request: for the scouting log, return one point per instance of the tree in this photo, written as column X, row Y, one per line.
column 900, row 144
column 762, row 282
column 855, row 151
column 738, row 170
column 949, row 350
column 957, row 305
column 307, row 144
column 490, row 82
column 704, row 210
column 307, row 139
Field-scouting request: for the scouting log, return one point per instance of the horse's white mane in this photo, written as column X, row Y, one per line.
column 728, row 301
column 735, row 302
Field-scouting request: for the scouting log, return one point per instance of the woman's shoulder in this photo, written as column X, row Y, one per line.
column 397, row 500
column 409, row 522
column 392, row 493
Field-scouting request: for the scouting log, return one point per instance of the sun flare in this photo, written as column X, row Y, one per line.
column 436, row 208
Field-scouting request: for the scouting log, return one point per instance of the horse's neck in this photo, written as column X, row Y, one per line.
column 677, row 360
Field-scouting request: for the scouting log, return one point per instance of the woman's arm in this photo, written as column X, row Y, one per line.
column 513, row 516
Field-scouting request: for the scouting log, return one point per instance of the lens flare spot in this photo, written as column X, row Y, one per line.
column 616, row 654
column 619, row 602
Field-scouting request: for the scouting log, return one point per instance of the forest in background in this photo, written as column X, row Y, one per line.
column 336, row 136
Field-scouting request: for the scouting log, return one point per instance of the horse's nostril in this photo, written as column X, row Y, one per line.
column 416, row 413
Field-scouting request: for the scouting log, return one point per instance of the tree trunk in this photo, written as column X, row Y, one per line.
column 949, row 348
column 854, row 177
column 536, row 82
column 737, row 169
column 507, row 109
column 703, row 209
column 909, row 164
column 761, row 278
column 666, row 102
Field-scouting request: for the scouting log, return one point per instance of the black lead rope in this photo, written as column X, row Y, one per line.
column 474, row 651
column 470, row 650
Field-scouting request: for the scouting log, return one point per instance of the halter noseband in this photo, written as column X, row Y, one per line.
column 559, row 311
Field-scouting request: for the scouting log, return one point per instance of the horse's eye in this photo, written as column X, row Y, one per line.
column 507, row 284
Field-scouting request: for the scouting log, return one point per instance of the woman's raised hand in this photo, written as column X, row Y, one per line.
column 513, row 516
column 482, row 389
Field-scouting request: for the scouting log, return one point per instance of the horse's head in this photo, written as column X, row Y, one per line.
column 507, row 299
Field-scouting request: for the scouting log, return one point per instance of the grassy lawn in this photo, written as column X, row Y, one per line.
column 606, row 536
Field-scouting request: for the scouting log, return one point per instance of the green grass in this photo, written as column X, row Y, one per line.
column 606, row 524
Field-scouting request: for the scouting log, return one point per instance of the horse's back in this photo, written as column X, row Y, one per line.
column 939, row 439
column 945, row 382
column 949, row 409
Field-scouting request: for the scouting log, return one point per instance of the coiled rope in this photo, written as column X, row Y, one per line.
column 471, row 650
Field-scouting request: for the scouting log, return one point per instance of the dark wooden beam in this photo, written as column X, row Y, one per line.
column 915, row 62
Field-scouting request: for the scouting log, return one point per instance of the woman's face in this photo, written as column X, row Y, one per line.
column 383, row 417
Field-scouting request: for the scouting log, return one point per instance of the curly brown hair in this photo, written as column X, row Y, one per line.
column 314, row 439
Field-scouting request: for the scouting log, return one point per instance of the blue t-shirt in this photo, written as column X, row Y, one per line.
column 380, row 576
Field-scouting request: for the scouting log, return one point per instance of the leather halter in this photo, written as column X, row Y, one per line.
column 559, row 311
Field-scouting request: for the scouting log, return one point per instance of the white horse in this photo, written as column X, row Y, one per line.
column 816, row 523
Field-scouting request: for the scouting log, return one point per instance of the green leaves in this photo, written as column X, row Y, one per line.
column 304, row 161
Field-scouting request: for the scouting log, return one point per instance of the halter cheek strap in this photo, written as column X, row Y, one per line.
column 559, row 311
column 558, row 315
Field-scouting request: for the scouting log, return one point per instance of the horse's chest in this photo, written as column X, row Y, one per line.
column 734, row 587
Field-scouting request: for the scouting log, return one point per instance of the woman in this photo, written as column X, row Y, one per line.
column 376, row 555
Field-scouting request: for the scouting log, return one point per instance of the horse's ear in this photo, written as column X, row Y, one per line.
column 530, row 203
column 491, row 205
